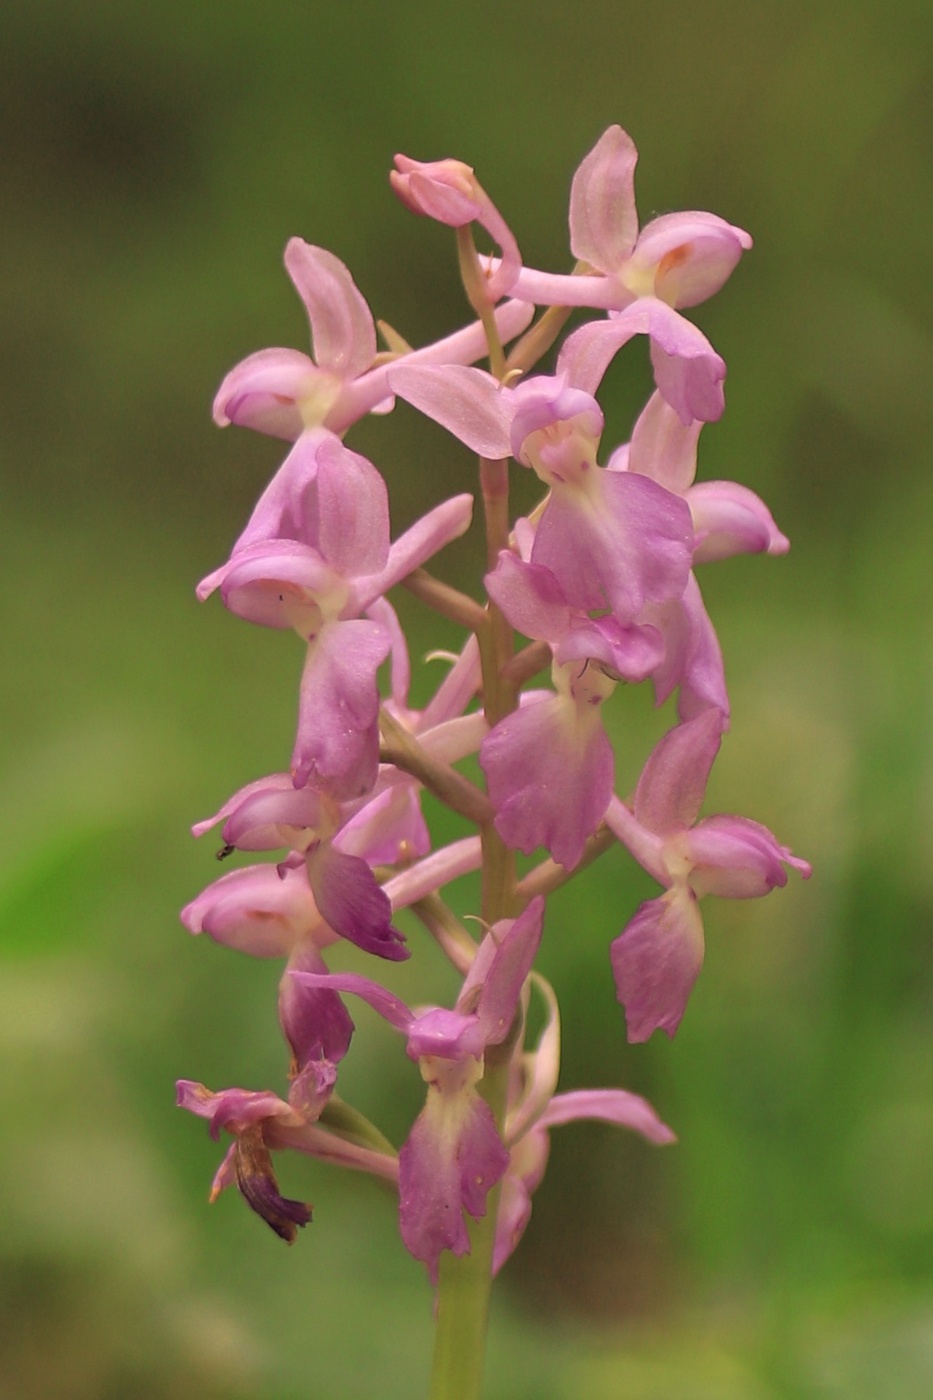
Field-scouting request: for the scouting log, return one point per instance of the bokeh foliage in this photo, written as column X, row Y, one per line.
column 155, row 160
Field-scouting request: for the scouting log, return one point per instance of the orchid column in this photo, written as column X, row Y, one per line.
column 595, row 590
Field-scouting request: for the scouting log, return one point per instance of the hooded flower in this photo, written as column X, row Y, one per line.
column 447, row 190
column 285, row 392
column 641, row 278
column 315, row 556
column 454, row 1154
column 657, row 957
column 612, row 540
column 261, row 1123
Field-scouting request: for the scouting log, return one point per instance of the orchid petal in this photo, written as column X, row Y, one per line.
column 255, row 911
column 436, row 528
column 738, row 858
column 549, row 782
column 350, row 900
column 672, row 786
column 688, row 256
column 655, row 960
column 342, row 329
column 730, row 519
column 603, row 217
column 314, row 1020
column 470, row 403
column 452, row 1158
column 615, row 1106
column 663, row 447
column 337, row 744
column 265, row 392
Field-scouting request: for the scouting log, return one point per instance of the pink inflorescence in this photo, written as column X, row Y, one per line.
column 599, row 579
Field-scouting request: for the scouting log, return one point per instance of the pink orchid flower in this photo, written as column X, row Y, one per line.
column 285, row 392
column 448, row 191
column 315, row 555
column 657, row 957
column 454, row 1154
column 261, row 1123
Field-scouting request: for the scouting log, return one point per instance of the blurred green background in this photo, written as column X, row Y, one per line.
column 156, row 158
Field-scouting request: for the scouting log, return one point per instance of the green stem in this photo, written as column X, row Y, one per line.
column 464, row 1283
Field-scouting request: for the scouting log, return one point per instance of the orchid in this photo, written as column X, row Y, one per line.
column 657, row 957
column 595, row 585
column 315, row 556
column 285, row 392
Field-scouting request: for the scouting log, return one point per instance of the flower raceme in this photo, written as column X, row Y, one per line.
column 600, row 579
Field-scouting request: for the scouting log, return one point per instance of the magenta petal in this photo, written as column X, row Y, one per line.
column 502, row 963
column 342, row 329
column 530, row 597
column 655, row 960
column 550, row 782
column 468, row 402
column 337, row 745
column 672, row 786
column 386, row 1003
column 730, row 519
column 452, row 1158
column 693, row 657
column 314, row 1020
column 233, row 1109
column 350, row 900
column 627, row 650
column 603, row 217
column 615, row 1106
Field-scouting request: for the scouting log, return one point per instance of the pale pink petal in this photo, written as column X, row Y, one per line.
column 342, row 329
column 603, row 217
column 255, row 911
column 730, row 519
column 265, row 392
column 470, row 403
column 672, row 786
column 349, row 511
column 436, row 528
column 662, row 447
column 337, row 744
column 690, row 255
